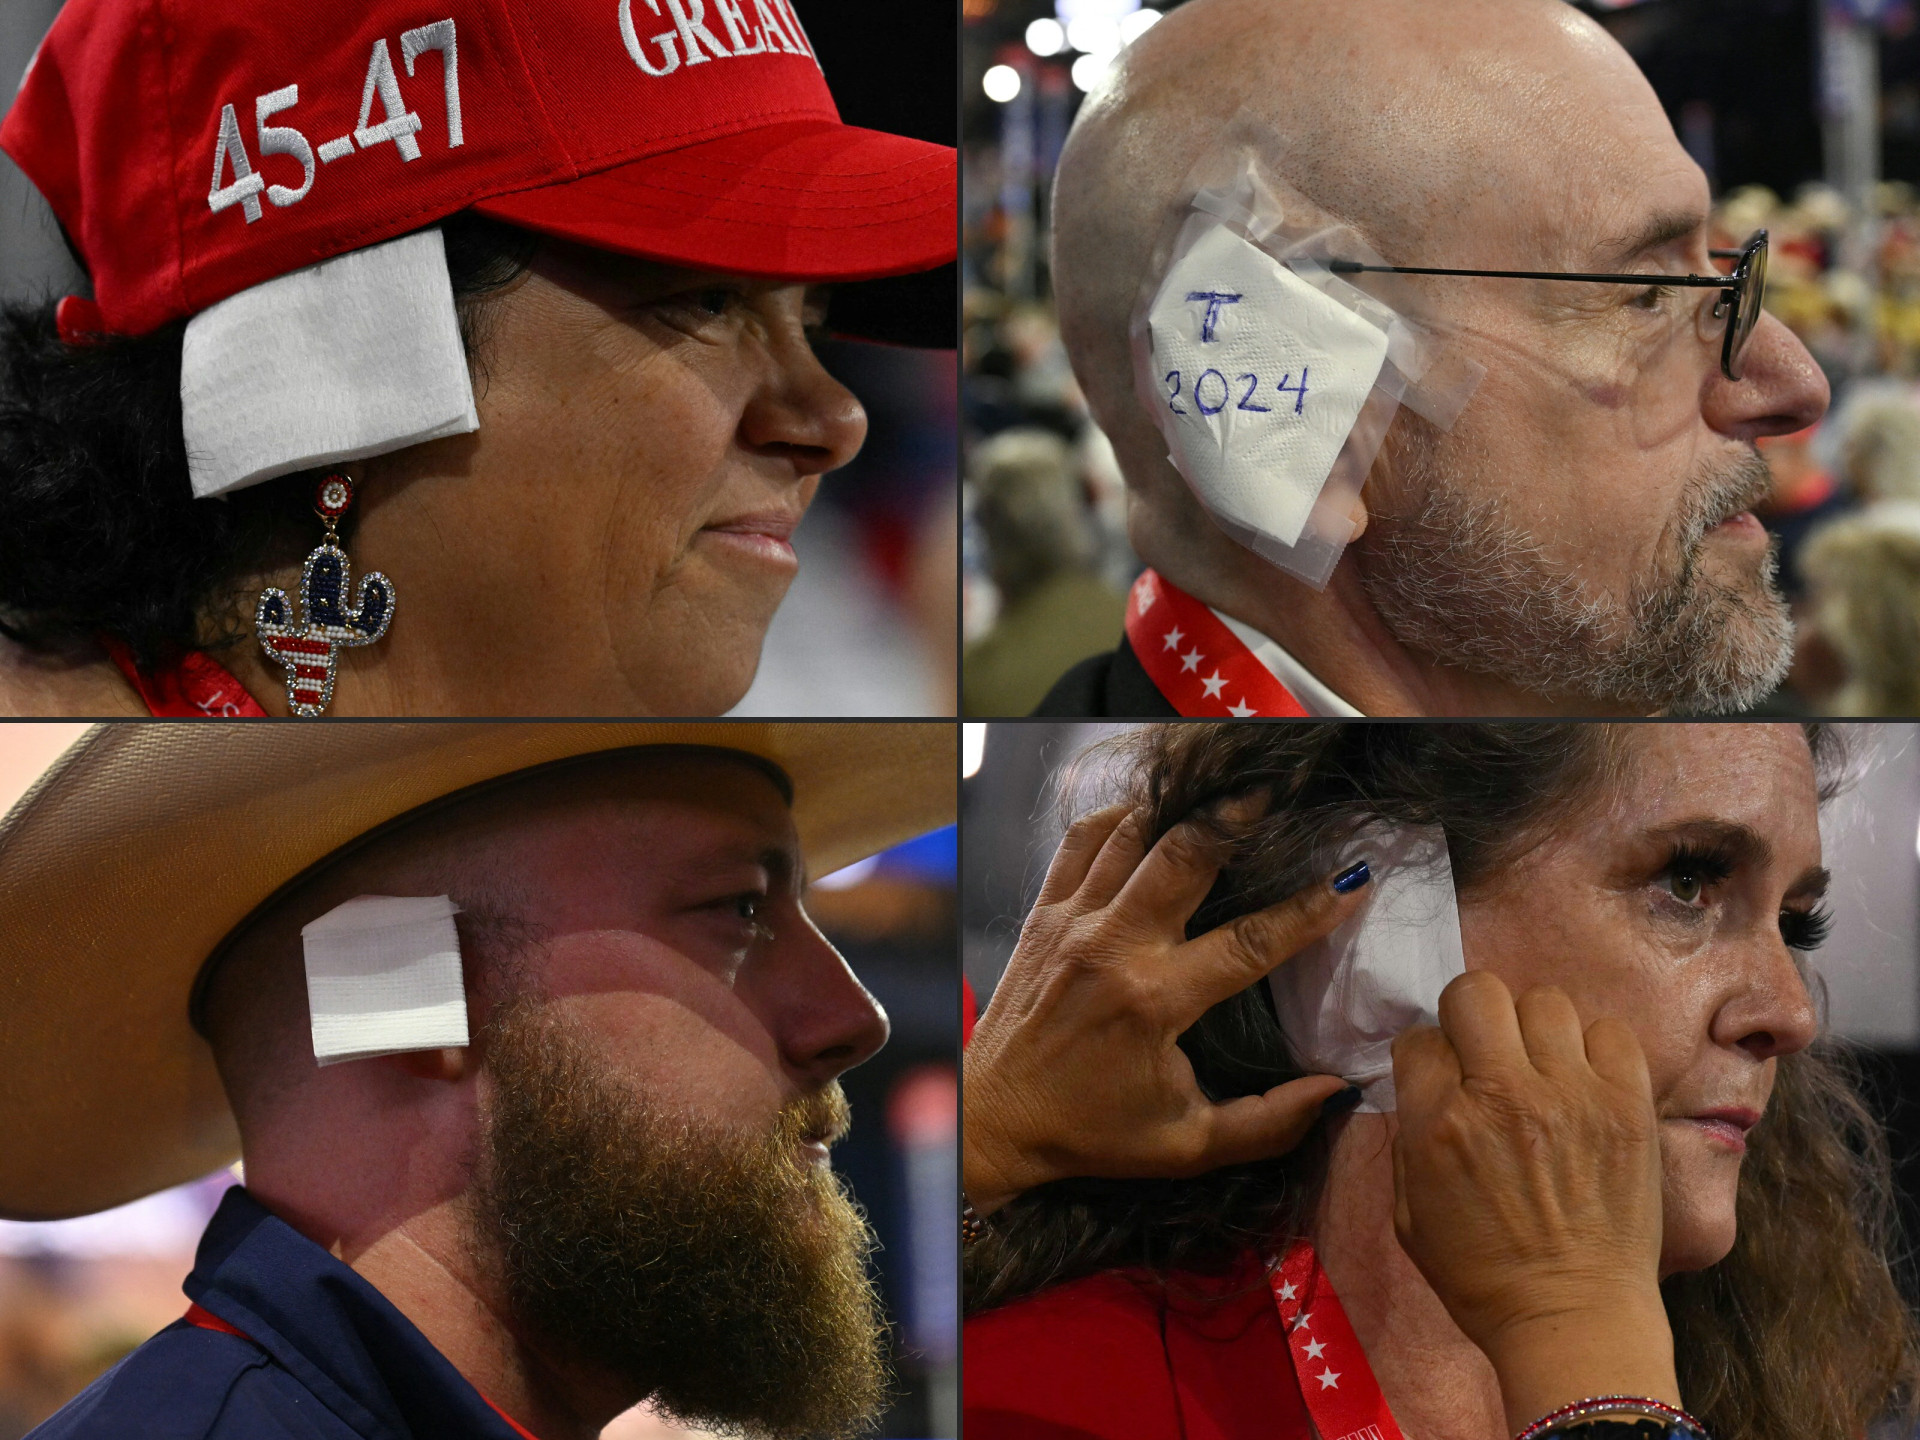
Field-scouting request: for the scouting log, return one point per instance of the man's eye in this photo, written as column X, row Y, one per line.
column 748, row 907
column 1653, row 297
column 715, row 301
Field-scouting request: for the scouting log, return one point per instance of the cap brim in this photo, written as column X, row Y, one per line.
column 805, row 200
column 144, row 846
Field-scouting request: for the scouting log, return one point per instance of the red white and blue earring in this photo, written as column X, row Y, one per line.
column 310, row 650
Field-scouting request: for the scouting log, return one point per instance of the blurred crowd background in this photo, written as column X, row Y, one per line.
column 1805, row 115
column 78, row 1295
column 870, row 626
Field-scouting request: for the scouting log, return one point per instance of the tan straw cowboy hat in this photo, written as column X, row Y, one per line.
column 146, row 844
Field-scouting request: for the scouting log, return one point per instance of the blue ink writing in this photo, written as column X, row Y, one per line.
column 1300, row 397
column 1201, row 400
column 1246, row 400
column 1215, row 299
column 1173, row 379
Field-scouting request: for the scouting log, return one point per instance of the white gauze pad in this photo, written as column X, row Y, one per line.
column 383, row 976
column 1261, row 378
column 1342, row 1000
column 356, row 356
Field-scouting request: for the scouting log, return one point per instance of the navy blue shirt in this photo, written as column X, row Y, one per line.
column 325, row 1356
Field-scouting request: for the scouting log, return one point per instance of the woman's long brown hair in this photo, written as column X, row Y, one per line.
column 1801, row 1333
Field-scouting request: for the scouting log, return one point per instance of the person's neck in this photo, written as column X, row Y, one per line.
column 1437, row 1382
column 82, row 684
column 424, row 1265
column 1343, row 641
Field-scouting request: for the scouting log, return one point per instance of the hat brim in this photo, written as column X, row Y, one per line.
column 143, row 847
column 806, row 200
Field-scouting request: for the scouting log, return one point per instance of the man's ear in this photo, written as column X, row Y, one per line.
column 1358, row 514
column 449, row 1064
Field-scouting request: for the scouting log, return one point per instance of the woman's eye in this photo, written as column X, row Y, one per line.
column 746, row 907
column 1685, row 885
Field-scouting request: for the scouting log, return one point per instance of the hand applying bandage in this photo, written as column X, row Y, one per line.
column 1074, row 1069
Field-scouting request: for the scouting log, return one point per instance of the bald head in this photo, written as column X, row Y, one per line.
column 1497, row 133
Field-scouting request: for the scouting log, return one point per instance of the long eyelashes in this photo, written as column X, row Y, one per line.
column 1693, row 869
column 1806, row 929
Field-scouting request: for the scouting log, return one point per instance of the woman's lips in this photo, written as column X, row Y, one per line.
column 1726, row 1127
column 768, row 538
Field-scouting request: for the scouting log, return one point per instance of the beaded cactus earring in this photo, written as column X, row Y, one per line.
column 310, row 650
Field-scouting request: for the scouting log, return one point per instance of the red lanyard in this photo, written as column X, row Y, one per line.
column 1193, row 659
column 1335, row 1379
column 197, row 688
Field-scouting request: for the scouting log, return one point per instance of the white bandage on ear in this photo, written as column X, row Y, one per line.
column 1342, row 1000
column 383, row 976
column 1263, row 379
column 356, row 356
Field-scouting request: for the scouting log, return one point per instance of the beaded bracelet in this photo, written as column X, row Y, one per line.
column 1582, row 1410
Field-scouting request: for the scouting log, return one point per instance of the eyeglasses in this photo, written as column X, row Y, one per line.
column 1741, row 288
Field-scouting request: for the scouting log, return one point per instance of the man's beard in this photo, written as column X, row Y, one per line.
column 710, row 1270
column 1454, row 577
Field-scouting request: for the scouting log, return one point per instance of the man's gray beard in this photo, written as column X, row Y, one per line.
column 1455, row 578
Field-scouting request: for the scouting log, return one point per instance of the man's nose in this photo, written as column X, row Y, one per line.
column 1781, row 387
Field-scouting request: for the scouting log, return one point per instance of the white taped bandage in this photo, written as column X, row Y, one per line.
column 383, row 976
column 1342, row 1000
column 1263, row 378
column 357, row 356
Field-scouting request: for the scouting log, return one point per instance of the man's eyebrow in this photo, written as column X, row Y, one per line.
column 1661, row 229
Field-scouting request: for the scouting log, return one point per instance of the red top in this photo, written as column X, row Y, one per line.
column 1118, row 1356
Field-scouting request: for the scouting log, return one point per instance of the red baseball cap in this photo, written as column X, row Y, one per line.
column 197, row 148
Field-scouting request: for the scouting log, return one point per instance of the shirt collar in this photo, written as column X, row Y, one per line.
column 331, row 1330
column 1315, row 697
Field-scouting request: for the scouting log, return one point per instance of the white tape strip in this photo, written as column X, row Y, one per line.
column 383, row 976
column 360, row 355
column 1342, row 1000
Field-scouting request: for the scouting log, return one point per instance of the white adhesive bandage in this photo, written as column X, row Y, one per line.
column 383, row 976
column 1262, row 377
column 1342, row 1000
column 357, row 356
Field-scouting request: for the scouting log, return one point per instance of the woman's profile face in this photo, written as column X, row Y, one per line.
column 615, row 538
column 1671, row 904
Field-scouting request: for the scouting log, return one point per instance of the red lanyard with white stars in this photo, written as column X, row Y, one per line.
column 1193, row 659
column 1335, row 1379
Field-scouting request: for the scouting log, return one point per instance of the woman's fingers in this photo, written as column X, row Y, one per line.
column 1550, row 1028
column 1258, row 1127
column 1227, row 960
column 1425, row 1070
column 1116, row 862
column 1477, row 1014
column 1171, row 882
column 1076, row 853
column 1616, row 1055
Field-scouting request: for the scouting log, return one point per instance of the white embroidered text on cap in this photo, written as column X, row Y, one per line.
column 383, row 976
column 1342, row 1000
column 359, row 355
column 1261, row 378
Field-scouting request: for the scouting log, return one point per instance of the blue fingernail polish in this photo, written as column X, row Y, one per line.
column 1340, row 1103
column 1351, row 878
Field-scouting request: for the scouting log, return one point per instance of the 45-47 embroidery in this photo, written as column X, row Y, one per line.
column 397, row 129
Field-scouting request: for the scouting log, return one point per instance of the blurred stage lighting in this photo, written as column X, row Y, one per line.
column 1137, row 24
column 1094, row 34
column 1088, row 70
column 1001, row 82
column 1046, row 36
column 973, row 746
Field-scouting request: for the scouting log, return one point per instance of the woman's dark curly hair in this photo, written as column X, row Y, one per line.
column 99, row 532
column 1801, row 1333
